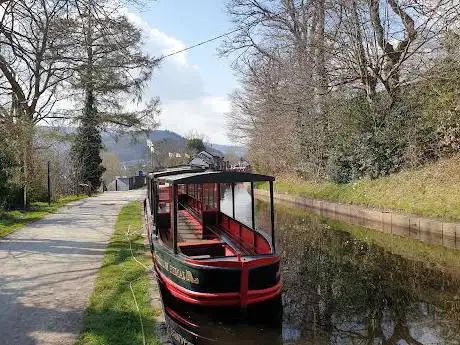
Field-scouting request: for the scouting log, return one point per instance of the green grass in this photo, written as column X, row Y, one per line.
column 112, row 317
column 432, row 191
column 10, row 221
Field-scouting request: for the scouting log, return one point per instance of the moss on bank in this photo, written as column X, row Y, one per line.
column 432, row 191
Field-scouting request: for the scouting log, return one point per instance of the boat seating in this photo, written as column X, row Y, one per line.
column 235, row 243
column 200, row 257
column 201, row 249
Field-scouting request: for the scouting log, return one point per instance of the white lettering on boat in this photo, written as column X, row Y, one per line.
column 184, row 275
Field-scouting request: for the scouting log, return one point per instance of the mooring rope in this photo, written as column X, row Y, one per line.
column 130, row 285
column 131, row 249
column 139, row 311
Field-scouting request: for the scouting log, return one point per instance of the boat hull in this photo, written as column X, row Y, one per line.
column 222, row 282
column 197, row 325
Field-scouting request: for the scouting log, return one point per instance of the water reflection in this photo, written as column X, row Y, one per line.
column 341, row 290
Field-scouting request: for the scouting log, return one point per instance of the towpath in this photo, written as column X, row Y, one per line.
column 48, row 270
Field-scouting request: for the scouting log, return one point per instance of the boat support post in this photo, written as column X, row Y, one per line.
column 217, row 203
column 253, row 213
column 272, row 215
column 202, row 208
column 153, row 202
column 233, row 200
column 174, row 211
column 218, row 197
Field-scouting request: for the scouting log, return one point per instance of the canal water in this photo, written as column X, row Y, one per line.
column 354, row 286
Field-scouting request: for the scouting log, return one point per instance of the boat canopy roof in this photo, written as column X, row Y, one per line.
column 213, row 177
column 176, row 170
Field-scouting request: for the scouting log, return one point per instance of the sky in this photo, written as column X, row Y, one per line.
column 193, row 86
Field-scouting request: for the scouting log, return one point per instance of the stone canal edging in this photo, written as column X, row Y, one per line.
column 408, row 225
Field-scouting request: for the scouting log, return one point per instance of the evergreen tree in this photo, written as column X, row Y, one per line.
column 111, row 70
column 88, row 144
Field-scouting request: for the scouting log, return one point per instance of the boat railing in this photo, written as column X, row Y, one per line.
column 250, row 238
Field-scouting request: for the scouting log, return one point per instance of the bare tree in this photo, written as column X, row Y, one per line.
column 45, row 53
column 32, row 41
column 296, row 57
column 385, row 44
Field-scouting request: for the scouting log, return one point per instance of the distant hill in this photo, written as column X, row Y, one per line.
column 130, row 147
column 239, row 151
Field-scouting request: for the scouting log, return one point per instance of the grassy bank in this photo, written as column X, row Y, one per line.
column 112, row 317
column 432, row 191
column 13, row 220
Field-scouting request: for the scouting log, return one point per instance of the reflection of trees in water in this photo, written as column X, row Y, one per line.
column 341, row 290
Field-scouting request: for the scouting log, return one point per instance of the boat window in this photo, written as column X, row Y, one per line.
column 210, row 196
column 181, row 189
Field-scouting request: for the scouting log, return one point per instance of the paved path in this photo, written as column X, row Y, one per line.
column 48, row 269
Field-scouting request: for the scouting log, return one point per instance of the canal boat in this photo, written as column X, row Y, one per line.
column 202, row 256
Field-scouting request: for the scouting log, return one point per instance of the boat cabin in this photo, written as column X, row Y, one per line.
column 187, row 217
column 166, row 172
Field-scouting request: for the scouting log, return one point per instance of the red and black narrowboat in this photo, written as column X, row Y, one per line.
column 202, row 256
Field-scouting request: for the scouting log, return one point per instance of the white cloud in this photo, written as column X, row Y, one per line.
column 206, row 115
column 158, row 41
column 185, row 104
column 170, row 45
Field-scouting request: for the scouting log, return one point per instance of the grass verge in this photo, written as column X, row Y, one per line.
column 10, row 221
column 113, row 317
column 431, row 191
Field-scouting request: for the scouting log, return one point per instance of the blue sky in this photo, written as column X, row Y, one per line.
column 193, row 86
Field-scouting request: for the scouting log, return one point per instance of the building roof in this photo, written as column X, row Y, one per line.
column 176, row 170
column 199, row 162
column 214, row 152
column 214, row 177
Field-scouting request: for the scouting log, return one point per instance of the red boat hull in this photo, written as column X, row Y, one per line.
column 213, row 283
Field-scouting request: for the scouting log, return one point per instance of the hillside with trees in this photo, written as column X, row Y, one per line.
column 344, row 90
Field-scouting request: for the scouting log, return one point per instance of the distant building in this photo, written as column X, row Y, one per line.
column 119, row 184
column 242, row 166
column 127, row 183
column 209, row 159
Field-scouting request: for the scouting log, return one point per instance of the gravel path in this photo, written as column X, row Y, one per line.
column 48, row 270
